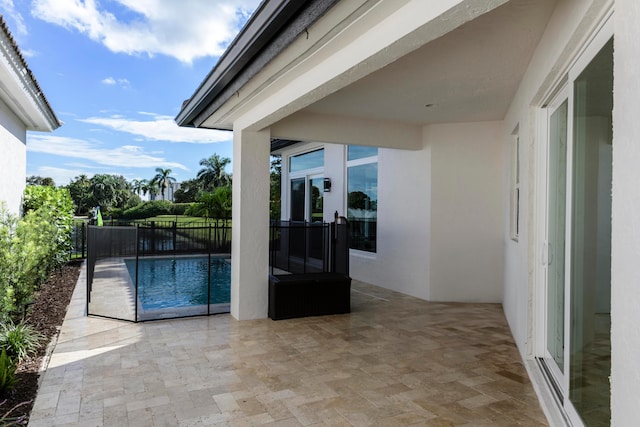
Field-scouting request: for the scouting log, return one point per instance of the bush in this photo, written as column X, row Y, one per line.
column 30, row 248
column 19, row 341
column 8, row 378
column 148, row 209
column 214, row 204
column 56, row 207
column 115, row 213
column 180, row 208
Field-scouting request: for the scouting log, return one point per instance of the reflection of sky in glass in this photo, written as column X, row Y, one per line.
column 355, row 152
column 314, row 159
column 364, row 178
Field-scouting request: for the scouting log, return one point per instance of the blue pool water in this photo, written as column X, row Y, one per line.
column 180, row 282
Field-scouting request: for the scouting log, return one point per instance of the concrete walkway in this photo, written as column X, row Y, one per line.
column 395, row 360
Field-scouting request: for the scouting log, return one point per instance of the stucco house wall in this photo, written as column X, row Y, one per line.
column 452, row 186
column 13, row 161
column 23, row 107
column 625, row 292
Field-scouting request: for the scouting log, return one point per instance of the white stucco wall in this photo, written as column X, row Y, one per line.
column 13, row 159
column 625, row 287
column 403, row 252
column 439, row 213
column 466, row 211
column 571, row 22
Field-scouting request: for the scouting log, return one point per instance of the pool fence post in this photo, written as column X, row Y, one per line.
column 135, row 299
column 209, row 274
column 89, row 276
column 175, row 235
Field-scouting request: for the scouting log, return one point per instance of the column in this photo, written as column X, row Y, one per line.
column 250, row 233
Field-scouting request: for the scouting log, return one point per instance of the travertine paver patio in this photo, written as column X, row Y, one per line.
column 396, row 360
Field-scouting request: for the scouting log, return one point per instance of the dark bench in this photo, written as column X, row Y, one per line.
column 309, row 294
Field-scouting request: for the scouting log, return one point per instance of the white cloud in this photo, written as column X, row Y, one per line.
column 110, row 81
column 161, row 128
column 9, row 10
column 129, row 156
column 185, row 30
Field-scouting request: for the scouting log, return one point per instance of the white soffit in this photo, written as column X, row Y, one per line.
column 470, row 74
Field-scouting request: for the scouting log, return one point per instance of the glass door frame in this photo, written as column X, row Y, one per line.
column 549, row 252
column 564, row 90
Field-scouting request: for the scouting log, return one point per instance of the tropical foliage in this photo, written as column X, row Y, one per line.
column 213, row 204
column 19, row 340
column 7, row 372
column 274, row 187
column 163, row 180
column 39, row 180
column 188, row 191
column 31, row 247
column 213, row 174
column 104, row 190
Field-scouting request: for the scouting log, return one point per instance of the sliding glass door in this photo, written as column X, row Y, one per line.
column 556, row 234
column 576, row 351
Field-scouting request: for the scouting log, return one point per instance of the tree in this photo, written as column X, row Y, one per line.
column 79, row 189
column 275, row 179
column 163, row 179
column 140, row 186
column 213, row 204
column 188, row 191
column 38, row 180
column 360, row 200
column 213, row 174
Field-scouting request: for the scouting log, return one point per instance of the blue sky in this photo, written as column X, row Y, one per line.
column 116, row 72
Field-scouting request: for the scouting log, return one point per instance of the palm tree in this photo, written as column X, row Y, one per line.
column 163, row 179
column 140, row 186
column 213, row 174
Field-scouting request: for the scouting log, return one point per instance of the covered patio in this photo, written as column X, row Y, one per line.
column 395, row 360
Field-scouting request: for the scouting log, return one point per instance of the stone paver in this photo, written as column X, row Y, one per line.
column 395, row 360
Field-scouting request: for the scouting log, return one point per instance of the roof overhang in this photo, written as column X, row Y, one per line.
column 19, row 89
column 271, row 28
column 375, row 73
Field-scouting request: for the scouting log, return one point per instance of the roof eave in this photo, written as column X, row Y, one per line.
column 48, row 120
column 270, row 30
column 263, row 25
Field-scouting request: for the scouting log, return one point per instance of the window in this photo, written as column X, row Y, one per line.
column 311, row 160
column 362, row 197
column 306, row 186
column 515, row 187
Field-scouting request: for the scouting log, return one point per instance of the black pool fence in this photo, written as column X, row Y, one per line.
column 123, row 259
column 116, row 256
column 301, row 247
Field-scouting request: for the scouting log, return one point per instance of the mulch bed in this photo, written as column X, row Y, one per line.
column 46, row 315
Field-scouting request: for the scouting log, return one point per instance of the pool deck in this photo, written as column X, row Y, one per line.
column 394, row 361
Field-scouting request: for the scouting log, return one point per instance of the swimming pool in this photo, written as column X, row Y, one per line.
column 180, row 282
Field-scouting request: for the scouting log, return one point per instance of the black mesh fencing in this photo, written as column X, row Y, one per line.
column 150, row 271
column 301, row 247
column 78, row 249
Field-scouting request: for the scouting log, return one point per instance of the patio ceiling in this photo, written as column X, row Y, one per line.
column 470, row 74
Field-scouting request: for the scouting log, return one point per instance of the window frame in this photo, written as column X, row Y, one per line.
column 514, row 207
column 354, row 163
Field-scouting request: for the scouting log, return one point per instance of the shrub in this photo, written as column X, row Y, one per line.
column 30, row 248
column 180, row 208
column 8, row 378
column 19, row 341
column 148, row 209
column 56, row 207
column 214, row 204
column 115, row 213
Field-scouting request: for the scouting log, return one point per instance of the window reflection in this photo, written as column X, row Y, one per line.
column 362, row 205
